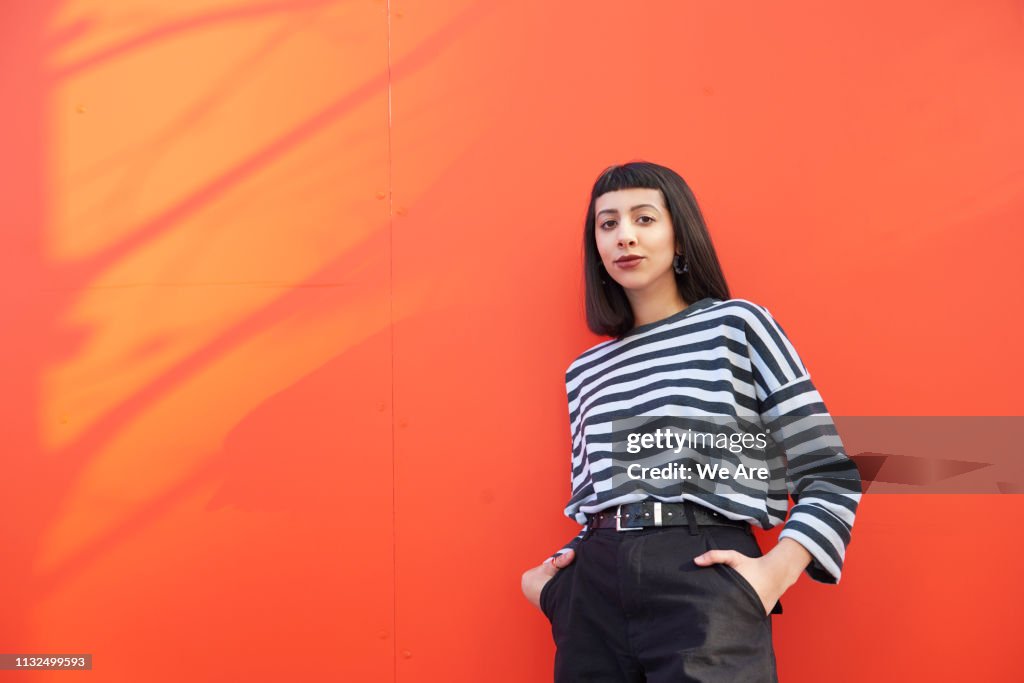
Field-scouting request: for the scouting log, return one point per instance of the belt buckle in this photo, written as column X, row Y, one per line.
column 658, row 521
column 618, row 521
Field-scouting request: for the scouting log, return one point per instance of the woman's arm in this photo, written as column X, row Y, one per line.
column 788, row 559
column 822, row 480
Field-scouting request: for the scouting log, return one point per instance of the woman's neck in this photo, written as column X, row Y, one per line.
column 648, row 311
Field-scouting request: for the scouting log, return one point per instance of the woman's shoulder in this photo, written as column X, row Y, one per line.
column 588, row 355
column 739, row 305
column 759, row 323
column 751, row 312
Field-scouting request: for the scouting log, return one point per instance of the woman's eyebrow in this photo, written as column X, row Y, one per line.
column 633, row 208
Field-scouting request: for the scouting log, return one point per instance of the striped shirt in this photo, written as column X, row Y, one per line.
column 715, row 358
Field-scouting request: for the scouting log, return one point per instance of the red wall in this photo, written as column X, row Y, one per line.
column 289, row 288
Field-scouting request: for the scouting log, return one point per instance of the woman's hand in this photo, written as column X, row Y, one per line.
column 769, row 579
column 534, row 579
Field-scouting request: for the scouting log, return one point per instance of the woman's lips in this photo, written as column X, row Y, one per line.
column 629, row 263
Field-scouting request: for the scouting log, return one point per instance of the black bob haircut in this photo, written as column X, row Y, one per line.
column 608, row 310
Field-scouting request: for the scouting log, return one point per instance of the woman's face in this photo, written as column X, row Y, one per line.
column 635, row 222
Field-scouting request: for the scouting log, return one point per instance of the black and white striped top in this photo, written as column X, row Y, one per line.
column 715, row 358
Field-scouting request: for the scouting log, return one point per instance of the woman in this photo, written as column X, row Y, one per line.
column 665, row 581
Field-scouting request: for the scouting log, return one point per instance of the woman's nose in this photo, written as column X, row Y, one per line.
column 625, row 234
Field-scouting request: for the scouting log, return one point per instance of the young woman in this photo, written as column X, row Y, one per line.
column 665, row 581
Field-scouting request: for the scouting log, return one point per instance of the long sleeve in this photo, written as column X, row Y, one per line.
column 575, row 460
column 822, row 480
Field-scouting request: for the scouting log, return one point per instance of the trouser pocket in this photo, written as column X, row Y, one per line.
column 734, row 538
column 547, row 591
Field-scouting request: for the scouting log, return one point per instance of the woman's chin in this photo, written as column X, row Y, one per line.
column 633, row 283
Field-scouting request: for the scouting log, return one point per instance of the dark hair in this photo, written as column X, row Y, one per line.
column 608, row 310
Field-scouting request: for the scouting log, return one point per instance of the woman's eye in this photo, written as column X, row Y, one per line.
column 640, row 219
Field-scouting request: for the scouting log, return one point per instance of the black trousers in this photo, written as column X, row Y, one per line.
column 634, row 607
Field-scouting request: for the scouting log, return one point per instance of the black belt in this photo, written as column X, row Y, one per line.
column 652, row 513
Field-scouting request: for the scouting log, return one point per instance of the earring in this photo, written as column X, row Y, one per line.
column 675, row 265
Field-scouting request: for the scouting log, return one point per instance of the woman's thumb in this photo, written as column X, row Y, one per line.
column 564, row 559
